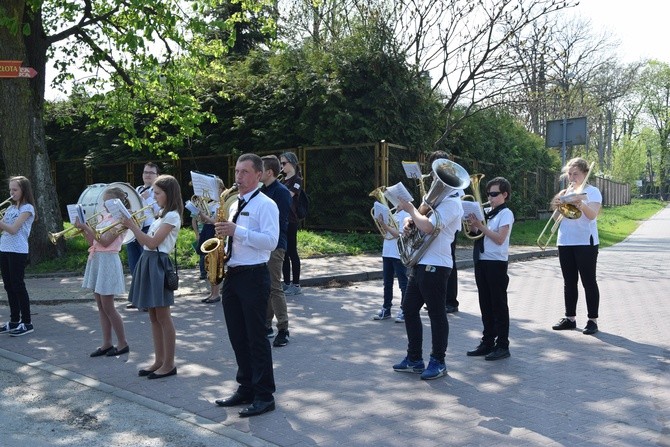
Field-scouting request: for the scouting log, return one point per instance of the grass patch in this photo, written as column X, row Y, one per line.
column 614, row 225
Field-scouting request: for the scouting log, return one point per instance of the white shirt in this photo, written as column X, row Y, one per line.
column 171, row 218
column 17, row 243
column 257, row 231
column 439, row 251
column 390, row 247
column 493, row 251
column 579, row 231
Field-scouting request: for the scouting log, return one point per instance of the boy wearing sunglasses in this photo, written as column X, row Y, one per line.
column 490, row 255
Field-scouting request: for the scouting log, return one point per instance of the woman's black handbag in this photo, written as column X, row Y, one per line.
column 171, row 274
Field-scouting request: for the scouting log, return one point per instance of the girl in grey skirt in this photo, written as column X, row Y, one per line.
column 104, row 274
column 147, row 289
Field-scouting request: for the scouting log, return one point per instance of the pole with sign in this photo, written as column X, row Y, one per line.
column 13, row 69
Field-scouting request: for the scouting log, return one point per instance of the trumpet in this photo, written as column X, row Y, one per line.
column 73, row 231
column 564, row 210
column 4, row 205
column 138, row 216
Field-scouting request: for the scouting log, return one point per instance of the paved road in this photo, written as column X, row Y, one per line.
column 335, row 382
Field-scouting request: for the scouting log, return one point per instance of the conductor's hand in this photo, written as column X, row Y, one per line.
column 226, row 228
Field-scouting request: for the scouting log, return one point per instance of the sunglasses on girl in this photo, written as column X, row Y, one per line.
column 493, row 193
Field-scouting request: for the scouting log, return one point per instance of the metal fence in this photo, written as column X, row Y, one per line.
column 338, row 180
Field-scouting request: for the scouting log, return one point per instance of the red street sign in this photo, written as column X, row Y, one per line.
column 13, row 69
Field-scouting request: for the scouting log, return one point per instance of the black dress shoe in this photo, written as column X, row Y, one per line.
column 564, row 324
column 482, row 349
column 497, row 354
column 234, row 400
column 452, row 309
column 153, row 375
column 591, row 328
column 115, row 351
column 100, row 352
column 258, row 407
column 144, row 372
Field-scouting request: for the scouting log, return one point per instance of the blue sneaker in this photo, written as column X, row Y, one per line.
column 383, row 314
column 409, row 366
column 435, row 369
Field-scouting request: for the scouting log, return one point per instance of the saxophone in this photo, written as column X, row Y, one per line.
column 215, row 248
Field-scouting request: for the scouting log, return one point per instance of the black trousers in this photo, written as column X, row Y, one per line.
column 492, row 281
column 13, row 267
column 245, row 302
column 427, row 286
column 579, row 261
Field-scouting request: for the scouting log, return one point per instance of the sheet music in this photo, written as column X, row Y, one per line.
column 76, row 211
column 380, row 210
column 205, row 185
column 191, row 207
column 116, row 209
column 412, row 169
column 396, row 192
column 470, row 207
column 573, row 197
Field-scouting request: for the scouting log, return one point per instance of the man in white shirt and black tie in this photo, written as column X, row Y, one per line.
column 252, row 234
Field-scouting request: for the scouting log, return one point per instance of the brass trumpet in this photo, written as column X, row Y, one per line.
column 73, row 231
column 138, row 216
column 4, row 205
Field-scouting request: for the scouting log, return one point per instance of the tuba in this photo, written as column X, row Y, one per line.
column 475, row 180
column 564, row 210
column 378, row 194
column 215, row 248
column 448, row 176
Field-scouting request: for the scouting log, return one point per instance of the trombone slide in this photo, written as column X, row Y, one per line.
column 557, row 218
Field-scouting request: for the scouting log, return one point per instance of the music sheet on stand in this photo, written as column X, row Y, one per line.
column 205, row 185
column 116, row 209
column 75, row 212
column 470, row 207
column 398, row 191
column 381, row 210
column 412, row 169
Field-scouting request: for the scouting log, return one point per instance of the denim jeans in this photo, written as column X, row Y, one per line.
column 393, row 267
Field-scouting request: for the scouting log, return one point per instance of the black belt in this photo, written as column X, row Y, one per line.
column 244, row 268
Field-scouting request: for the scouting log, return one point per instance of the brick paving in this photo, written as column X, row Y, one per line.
column 335, row 385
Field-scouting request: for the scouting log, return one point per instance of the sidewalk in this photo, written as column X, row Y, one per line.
column 335, row 385
column 315, row 272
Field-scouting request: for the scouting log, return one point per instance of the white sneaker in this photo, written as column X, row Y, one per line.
column 400, row 317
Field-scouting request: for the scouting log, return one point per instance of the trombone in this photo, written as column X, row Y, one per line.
column 138, row 216
column 562, row 211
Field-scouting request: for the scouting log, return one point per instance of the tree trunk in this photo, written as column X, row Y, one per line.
column 22, row 139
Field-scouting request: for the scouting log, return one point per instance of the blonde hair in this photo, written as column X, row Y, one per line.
column 576, row 162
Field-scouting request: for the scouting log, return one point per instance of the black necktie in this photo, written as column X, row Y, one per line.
column 240, row 204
